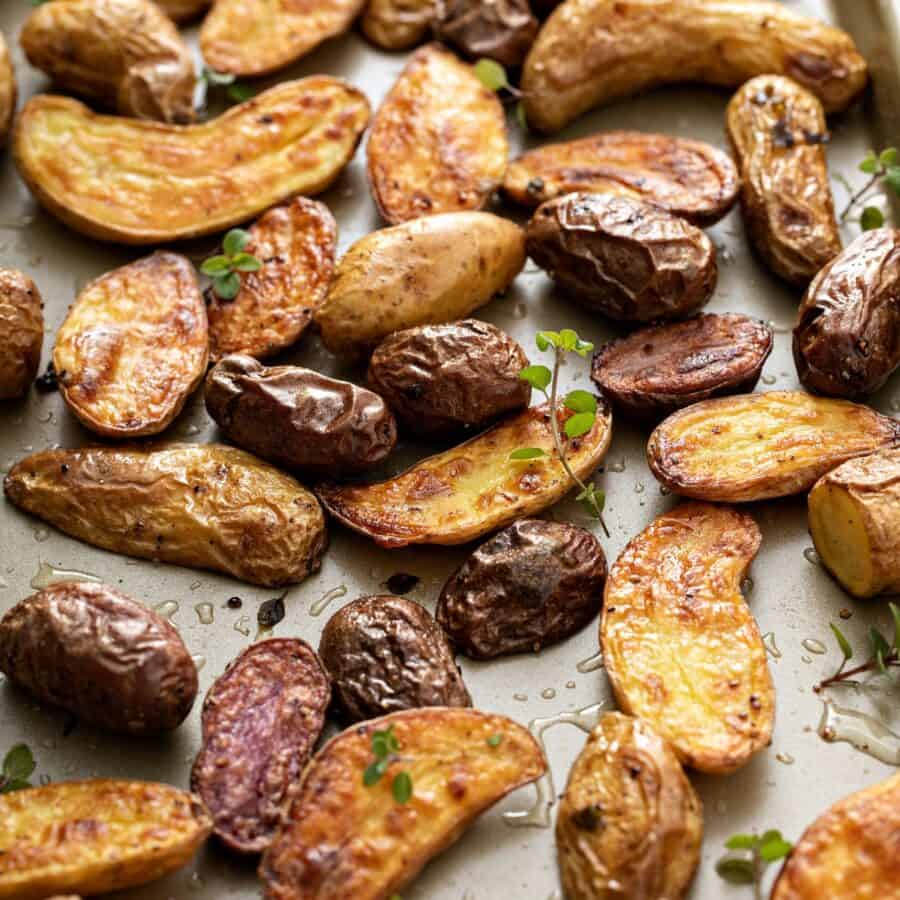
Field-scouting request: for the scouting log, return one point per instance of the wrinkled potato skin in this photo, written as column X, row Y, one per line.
column 95, row 836
column 133, row 347
column 758, row 446
column 777, row 130
column 21, row 332
column 433, row 270
column 294, row 138
column 183, row 10
column 207, row 506
column 847, row 336
column 8, row 91
column 503, row 30
column 387, row 653
column 622, row 257
column 628, row 816
column 849, row 851
column 397, row 24
column 318, row 855
column 591, row 52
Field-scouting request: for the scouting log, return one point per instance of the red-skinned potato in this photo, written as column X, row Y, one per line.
column 21, row 332
column 503, row 30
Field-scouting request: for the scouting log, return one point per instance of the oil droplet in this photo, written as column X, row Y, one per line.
column 196, row 585
column 768, row 640
column 747, row 586
column 199, row 661
column 242, row 626
column 191, row 430
column 520, row 697
column 779, row 327
column 548, row 693
column 806, row 659
column 166, row 609
column 814, row 646
column 47, row 418
column 664, row 490
column 591, row 664
column 3, row 583
column 47, row 575
column 864, row 732
column 785, row 758
column 618, row 466
column 319, row 606
column 811, row 556
column 768, row 379
column 570, row 685
column 639, row 487
column 205, row 613
column 41, row 535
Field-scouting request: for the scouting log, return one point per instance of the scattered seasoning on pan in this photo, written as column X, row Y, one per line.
column 234, row 603
column 18, row 765
column 49, row 381
column 401, row 582
column 271, row 612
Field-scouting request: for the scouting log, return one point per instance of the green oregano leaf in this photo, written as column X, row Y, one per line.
column 537, row 376
column 245, row 262
column 843, row 643
column 772, row 846
column 545, row 339
column 888, row 157
column 579, row 424
column 18, row 764
column 402, row 787
column 235, row 241
column 491, row 74
column 742, row 842
column 528, row 453
column 879, row 644
column 580, row 402
column 872, row 217
column 227, row 286
column 215, row 265
column 869, row 165
column 736, row 869
column 494, row 740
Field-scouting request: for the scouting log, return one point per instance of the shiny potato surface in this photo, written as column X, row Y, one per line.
column 21, row 332
column 503, row 30
column 397, row 24
column 183, row 10
column 8, row 91
column 591, row 52
column 470, row 490
column 342, row 839
column 199, row 179
column 207, row 506
column 758, row 446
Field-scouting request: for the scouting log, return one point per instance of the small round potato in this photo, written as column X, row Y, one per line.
column 8, row 91
column 397, row 24
column 503, row 30
column 21, row 333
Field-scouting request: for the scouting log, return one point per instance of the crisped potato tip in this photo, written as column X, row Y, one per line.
column 8, row 91
column 397, row 24
column 21, row 332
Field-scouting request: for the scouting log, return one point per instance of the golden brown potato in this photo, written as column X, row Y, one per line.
column 592, row 52
column 95, row 836
column 8, row 91
column 438, row 142
column 849, row 851
column 292, row 139
column 201, row 505
column 470, row 490
column 133, row 347
column 629, row 824
column 127, row 54
column 21, row 332
column 432, row 270
column 183, row 10
column 397, row 24
column 342, row 839
column 680, row 646
column 757, row 446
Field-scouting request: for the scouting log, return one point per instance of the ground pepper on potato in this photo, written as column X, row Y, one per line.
column 21, row 333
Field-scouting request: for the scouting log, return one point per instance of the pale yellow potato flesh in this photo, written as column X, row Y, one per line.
column 8, row 91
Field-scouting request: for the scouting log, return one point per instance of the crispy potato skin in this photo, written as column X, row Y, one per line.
column 397, row 24
column 849, row 851
column 591, row 52
column 432, row 270
column 687, row 178
column 629, row 817
column 134, row 347
column 95, row 836
column 504, row 30
column 206, row 506
column 296, row 242
column 183, row 10
column 8, row 91
column 342, row 839
column 261, row 720
column 200, row 179
column 470, row 490
column 758, row 446
column 21, row 332
column 680, row 646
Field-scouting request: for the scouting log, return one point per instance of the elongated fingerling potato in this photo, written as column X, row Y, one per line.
column 344, row 839
column 397, row 24
column 198, row 179
column 183, row 10
column 757, row 446
column 8, row 91
column 21, row 332
column 95, row 836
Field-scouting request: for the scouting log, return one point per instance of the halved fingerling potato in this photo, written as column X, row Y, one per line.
column 342, row 839
column 183, row 10
column 95, row 836
column 679, row 643
column 198, row 179
column 21, row 332
column 397, row 24
column 8, row 91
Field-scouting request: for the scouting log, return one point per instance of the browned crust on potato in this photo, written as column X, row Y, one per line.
column 397, row 24
column 183, row 10
column 8, row 91
column 21, row 332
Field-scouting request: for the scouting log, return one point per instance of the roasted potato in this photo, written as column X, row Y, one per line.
column 21, row 332
column 592, row 52
column 202, row 505
column 432, row 270
column 503, row 30
column 680, row 646
column 183, row 10
column 342, row 839
column 261, row 721
column 656, row 370
column 8, row 91
column 758, row 446
column 134, row 347
column 621, row 257
column 847, row 336
column 475, row 488
column 95, row 836
column 438, row 142
column 777, row 130
column 443, row 379
column 296, row 243
column 397, row 24
column 630, row 823
column 292, row 139
column 101, row 655
column 299, row 418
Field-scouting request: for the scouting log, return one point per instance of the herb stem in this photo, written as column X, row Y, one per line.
column 858, row 196
column 842, row 675
column 757, row 874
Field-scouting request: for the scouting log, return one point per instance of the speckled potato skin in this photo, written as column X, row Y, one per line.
column 207, row 506
column 261, row 721
column 397, row 24
column 8, row 91
column 342, row 839
column 591, row 52
column 680, row 646
column 183, row 10
column 21, row 333
column 95, row 836
column 503, row 31
column 101, row 655
column 133, row 347
column 622, row 257
column 630, row 823
column 294, row 138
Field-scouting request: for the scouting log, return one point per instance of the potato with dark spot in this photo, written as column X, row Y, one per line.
column 503, row 30
column 183, row 10
column 397, row 24
column 21, row 332
column 8, row 91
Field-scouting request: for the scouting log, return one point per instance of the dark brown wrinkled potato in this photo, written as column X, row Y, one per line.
column 21, row 332
column 101, row 655
column 659, row 369
column 443, row 379
column 622, row 257
column 261, row 720
column 531, row 585
column 387, row 653
column 503, row 30
column 8, row 91
column 847, row 336
column 299, row 418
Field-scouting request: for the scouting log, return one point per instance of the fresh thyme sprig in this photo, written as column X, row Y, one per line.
column 384, row 747
column 749, row 855
column 18, row 765
column 881, row 168
column 224, row 268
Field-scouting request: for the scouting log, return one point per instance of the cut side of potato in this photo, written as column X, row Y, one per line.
column 342, row 839
column 8, row 91
column 397, row 24
column 679, row 643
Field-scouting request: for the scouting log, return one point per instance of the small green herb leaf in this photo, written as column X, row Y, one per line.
column 742, row 842
column 888, row 157
column 495, row 740
column 491, row 74
column 227, row 286
column 528, row 453
column 869, row 165
column 568, row 339
column 545, row 339
column 879, row 644
column 580, row 402
column 895, row 612
column 843, row 643
column 18, row 764
column 736, row 869
column 215, row 265
column 892, row 178
column 872, row 217
column 235, row 241
column 773, row 846
column 521, row 116
column 385, row 742
column 245, row 262
column 374, row 772
column 239, row 92
column 402, row 787
column 579, row 424
column 17, row 784
column 537, row 376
